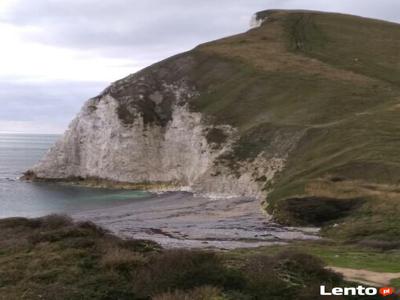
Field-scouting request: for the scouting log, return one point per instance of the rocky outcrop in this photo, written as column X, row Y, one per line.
column 182, row 124
column 141, row 130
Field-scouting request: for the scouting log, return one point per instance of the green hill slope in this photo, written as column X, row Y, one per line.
column 333, row 78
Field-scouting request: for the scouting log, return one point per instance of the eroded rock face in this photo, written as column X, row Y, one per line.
column 256, row 21
column 142, row 130
column 101, row 143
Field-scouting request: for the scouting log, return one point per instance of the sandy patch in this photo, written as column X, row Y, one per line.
column 377, row 279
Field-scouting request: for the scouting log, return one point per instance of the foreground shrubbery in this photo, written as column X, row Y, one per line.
column 54, row 258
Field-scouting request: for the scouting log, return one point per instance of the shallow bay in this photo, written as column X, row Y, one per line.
column 18, row 152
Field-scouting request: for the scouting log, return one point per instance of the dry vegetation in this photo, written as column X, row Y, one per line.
column 54, row 258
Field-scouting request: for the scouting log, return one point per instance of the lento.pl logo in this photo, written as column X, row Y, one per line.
column 386, row 291
column 356, row 291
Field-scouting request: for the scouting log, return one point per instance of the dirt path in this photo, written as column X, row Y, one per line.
column 378, row 279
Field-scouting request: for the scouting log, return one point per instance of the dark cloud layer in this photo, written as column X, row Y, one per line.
column 143, row 31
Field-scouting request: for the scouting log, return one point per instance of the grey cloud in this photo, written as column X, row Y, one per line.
column 137, row 25
column 153, row 29
column 51, row 102
column 142, row 31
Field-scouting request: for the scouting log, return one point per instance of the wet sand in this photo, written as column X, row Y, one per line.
column 181, row 219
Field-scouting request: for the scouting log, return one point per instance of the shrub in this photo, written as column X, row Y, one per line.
column 316, row 210
column 262, row 280
column 200, row 293
column 304, row 269
column 181, row 269
column 142, row 246
column 287, row 275
column 55, row 221
column 92, row 228
column 19, row 222
column 122, row 259
column 379, row 244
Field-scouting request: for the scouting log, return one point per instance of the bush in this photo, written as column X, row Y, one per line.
column 262, row 280
column 47, row 222
column 122, row 259
column 316, row 210
column 55, row 221
column 304, row 269
column 92, row 228
column 380, row 245
column 200, row 293
column 142, row 246
column 19, row 222
column 286, row 276
column 183, row 270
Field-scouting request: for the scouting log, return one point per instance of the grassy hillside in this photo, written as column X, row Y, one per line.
column 334, row 81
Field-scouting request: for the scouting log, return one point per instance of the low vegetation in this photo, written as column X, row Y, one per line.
column 316, row 211
column 334, row 254
column 55, row 258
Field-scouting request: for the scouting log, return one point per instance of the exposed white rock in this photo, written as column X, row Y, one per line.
column 227, row 184
column 255, row 21
column 98, row 144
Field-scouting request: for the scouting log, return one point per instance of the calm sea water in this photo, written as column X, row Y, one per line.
column 18, row 152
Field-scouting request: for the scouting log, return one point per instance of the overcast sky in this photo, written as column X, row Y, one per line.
column 55, row 54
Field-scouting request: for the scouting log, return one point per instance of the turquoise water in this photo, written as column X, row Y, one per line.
column 19, row 152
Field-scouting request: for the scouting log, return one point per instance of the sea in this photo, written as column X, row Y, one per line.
column 19, row 152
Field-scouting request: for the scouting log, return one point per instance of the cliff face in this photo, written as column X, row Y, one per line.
column 141, row 130
column 297, row 108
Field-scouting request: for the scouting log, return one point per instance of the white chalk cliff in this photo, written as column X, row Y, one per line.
column 142, row 130
column 158, row 129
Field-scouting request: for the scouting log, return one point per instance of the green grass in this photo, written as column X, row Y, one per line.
column 345, row 256
column 340, row 40
column 395, row 283
column 376, row 223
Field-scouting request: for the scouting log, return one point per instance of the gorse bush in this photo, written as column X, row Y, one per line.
column 183, row 270
column 317, row 210
column 303, row 269
column 262, row 280
column 199, row 293
column 120, row 259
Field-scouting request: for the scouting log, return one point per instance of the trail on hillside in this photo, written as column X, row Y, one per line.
column 367, row 277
